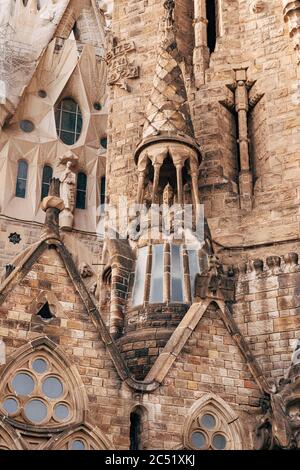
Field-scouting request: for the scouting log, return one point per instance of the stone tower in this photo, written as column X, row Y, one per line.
column 176, row 327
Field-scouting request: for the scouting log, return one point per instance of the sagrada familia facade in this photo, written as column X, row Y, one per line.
column 117, row 330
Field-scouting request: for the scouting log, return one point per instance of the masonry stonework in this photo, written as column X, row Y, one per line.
column 136, row 341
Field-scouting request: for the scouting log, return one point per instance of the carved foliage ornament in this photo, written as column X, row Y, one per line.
column 120, row 68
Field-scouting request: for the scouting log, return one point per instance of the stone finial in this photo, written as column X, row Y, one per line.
column 52, row 205
column 273, row 263
column 258, row 265
column 291, row 261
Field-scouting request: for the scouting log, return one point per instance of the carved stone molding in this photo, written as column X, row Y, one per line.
column 279, row 427
column 257, row 6
column 291, row 12
column 120, row 68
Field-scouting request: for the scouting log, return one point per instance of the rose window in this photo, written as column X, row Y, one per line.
column 37, row 394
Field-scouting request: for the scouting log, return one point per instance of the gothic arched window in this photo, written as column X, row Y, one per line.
column 138, row 431
column 212, row 425
column 46, row 179
column 81, row 190
column 21, row 179
column 68, row 120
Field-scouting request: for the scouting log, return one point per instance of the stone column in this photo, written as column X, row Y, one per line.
column 179, row 184
column 242, row 108
column 194, row 179
column 116, row 307
column 167, row 273
column 141, row 184
column 201, row 51
column 157, row 166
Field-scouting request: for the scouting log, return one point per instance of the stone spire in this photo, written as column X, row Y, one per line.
column 168, row 113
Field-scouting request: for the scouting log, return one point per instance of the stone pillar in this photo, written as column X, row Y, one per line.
column 167, row 273
column 242, row 108
column 179, row 184
column 141, row 184
column 201, row 51
column 116, row 308
column 157, row 166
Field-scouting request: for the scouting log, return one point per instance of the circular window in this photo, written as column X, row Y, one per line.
column 219, row 442
column 52, row 387
column 68, row 119
column 26, row 125
column 42, row 93
column 23, row 384
column 36, row 411
column 97, row 106
column 40, row 366
column 208, row 421
column 198, row 440
column 11, row 406
column 61, row 411
column 78, row 444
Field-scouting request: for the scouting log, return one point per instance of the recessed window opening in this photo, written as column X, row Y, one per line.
column 212, row 24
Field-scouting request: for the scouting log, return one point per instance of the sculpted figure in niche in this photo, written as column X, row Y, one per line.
column 67, row 194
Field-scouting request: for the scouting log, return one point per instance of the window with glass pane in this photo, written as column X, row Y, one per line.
column 103, row 142
column 81, row 191
column 102, row 190
column 21, row 179
column 68, row 120
column 46, row 179
column 176, row 274
column 157, row 274
column 140, row 276
column 193, row 268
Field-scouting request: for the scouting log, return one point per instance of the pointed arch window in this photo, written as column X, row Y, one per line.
column 212, row 425
column 68, row 120
column 46, row 179
column 81, row 190
column 21, row 183
column 138, row 431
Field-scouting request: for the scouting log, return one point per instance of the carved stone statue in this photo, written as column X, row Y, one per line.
column 67, row 194
column 168, row 195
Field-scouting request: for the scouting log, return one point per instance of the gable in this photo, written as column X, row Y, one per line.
column 211, row 361
column 71, row 328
